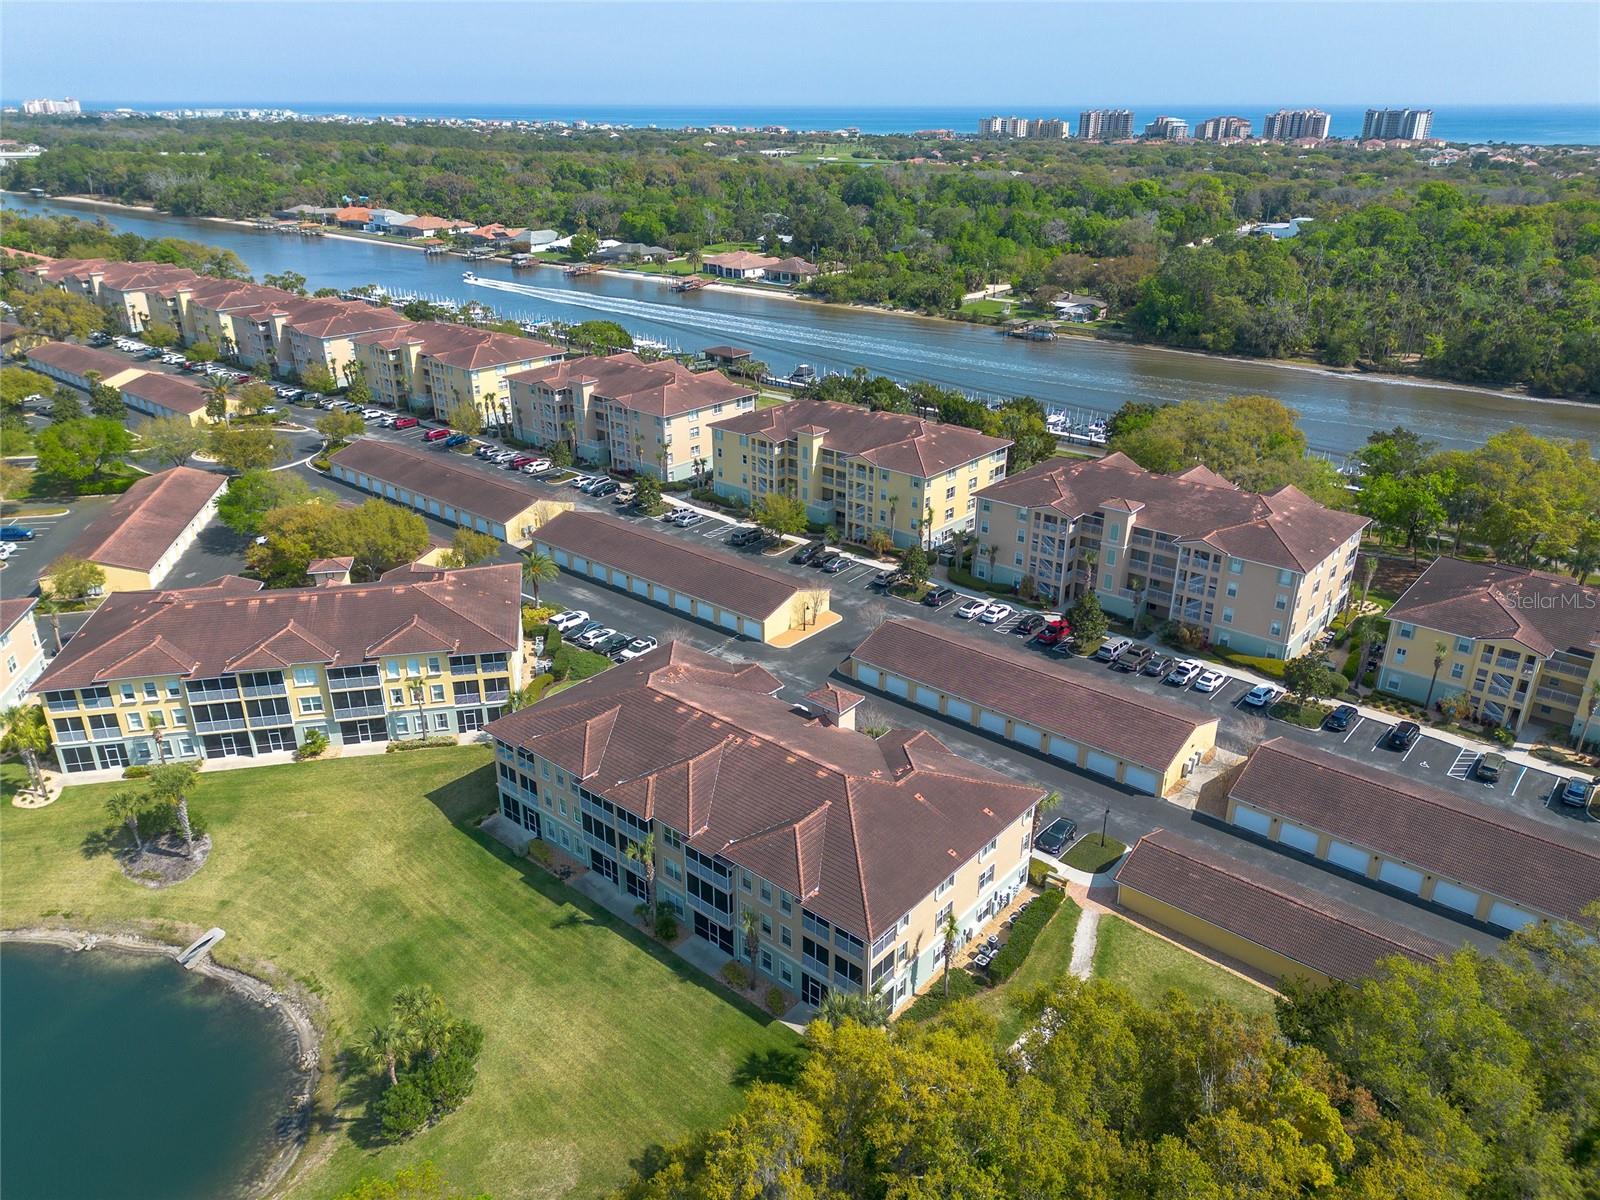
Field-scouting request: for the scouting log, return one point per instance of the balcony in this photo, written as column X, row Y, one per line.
column 497, row 697
column 264, row 690
column 198, row 695
column 359, row 710
column 75, row 737
column 228, row 725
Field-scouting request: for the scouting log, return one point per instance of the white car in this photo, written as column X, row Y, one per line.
column 578, row 481
column 595, row 636
column 537, row 467
column 995, row 613
column 639, row 645
column 1209, row 681
column 1182, row 675
column 570, row 619
column 7, row 549
column 372, row 414
column 971, row 609
column 1261, row 695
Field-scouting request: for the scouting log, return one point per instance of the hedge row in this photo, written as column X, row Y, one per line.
column 1024, row 933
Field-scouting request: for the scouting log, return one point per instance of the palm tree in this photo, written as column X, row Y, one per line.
column 1590, row 709
column 26, row 733
column 750, row 927
column 538, row 568
column 384, row 1046
column 949, row 929
column 1370, row 573
column 643, row 852
column 1365, row 630
column 125, row 806
column 1440, row 651
column 894, row 507
column 420, row 1012
column 419, row 690
column 838, row 1007
column 1091, row 556
column 171, row 783
column 158, row 727
column 217, row 400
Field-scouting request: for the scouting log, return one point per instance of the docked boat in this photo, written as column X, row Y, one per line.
column 692, row 284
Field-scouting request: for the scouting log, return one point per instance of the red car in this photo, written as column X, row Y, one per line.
column 436, row 435
column 1052, row 633
column 406, row 422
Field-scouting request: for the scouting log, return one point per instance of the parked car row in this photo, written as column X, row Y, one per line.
column 576, row 626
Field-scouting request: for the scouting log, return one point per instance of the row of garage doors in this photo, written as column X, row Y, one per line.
column 433, row 508
column 701, row 610
column 1140, row 779
column 1398, row 875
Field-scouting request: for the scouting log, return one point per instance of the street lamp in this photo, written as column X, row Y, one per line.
column 1103, row 821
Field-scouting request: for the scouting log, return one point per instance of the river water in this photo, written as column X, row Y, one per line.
column 1336, row 411
column 125, row 1076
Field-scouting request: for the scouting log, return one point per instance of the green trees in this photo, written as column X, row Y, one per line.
column 469, row 547
column 1087, row 619
column 1307, row 679
column 159, row 334
column 583, row 244
column 65, row 405
column 780, row 514
column 59, row 315
column 25, row 731
column 914, row 565
column 172, row 440
column 201, row 352
column 247, row 447
column 378, row 535
column 339, row 427
column 318, row 378
column 72, row 580
column 251, row 495
column 643, row 854
column 128, row 806
column 106, row 401
column 289, row 281
column 18, row 383
column 599, row 337
column 647, row 494
column 253, row 397
column 171, row 784
column 428, row 1058
column 81, row 450
column 538, row 568
column 463, row 417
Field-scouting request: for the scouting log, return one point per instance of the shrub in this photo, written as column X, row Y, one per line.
column 539, row 851
column 933, row 1001
column 135, row 772
column 666, row 922
column 1503, row 735
column 552, row 642
column 320, row 463
column 1024, row 933
column 777, row 1003
column 735, row 976
column 535, row 690
column 404, row 1110
column 315, row 743
column 163, row 818
column 422, row 743
column 571, row 662
column 1039, row 871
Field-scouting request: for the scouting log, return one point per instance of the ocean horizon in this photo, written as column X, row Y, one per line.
column 1542, row 124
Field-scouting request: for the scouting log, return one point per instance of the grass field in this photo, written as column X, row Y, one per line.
column 1149, row 967
column 1049, row 959
column 361, row 875
column 1093, row 853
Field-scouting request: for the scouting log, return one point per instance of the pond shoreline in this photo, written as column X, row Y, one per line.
column 292, row 1134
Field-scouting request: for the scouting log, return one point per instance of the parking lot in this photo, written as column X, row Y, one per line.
column 51, row 535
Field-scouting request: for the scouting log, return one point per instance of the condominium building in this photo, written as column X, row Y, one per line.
column 1522, row 645
column 431, row 367
column 1167, row 129
column 229, row 670
column 1222, row 129
column 1049, row 129
column 1293, row 124
column 1105, row 124
column 1263, row 574
column 622, row 412
column 21, row 653
column 1022, row 127
column 859, row 470
column 848, row 852
column 52, row 108
column 1397, row 124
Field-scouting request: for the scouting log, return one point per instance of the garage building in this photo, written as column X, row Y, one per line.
column 428, row 481
column 1145, row 743
column 1258, row 917
column 741, row 597
column 72, row 365
column 1495, row 867
column 167, row 396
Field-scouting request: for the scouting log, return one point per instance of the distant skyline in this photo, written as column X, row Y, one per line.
column 1008, row 55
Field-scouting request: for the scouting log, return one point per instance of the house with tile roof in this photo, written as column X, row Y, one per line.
column 232, row 670
column 622, row 412
column 431, row 366
column 1522, row 645
column 861, row 471
column 849, row 851
column 1261, row 574
column 22, row 658
column 738, row 264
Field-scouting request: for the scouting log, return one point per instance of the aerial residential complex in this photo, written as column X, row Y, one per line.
column 858, row 470
column 1262, row 574
column 1105, row 124
column 432, row 366
column 625, row 413
column 21, row 653
column 1522, row 645
column 850, row 851
column 1222, row 129
column 230, row 670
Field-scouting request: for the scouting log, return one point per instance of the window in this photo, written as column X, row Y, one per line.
column 150, row 691
column 1111, row 557
column 1281, row 602
column 989, row 849
column 436, row 693
column 1227, row 616
column 1406, row 631
column 135, row 721
column 127, row 693
column 1285, row 577
column 1457, row 670
column 174, row 689
column 305, row 676
column 1233, row 589
column 986, row 878
column 1400, row 654
column 744, row 880
column 1277, row 629
column 1235, row 566
column 945, row 886
column 950, row 493
column 396, row 696
column 433, row 664
column 785, row 936
column 766, row 926
column 1463, row 646
column 310, row 704
column 766, row 892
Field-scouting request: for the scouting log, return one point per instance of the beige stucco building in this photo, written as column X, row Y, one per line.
column 431, row 367
column 22, row 657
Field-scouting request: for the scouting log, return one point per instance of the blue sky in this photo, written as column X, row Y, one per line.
column 803, row 53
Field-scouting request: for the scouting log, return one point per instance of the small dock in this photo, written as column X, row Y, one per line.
column 577, row 269
column 200, row 947
column 1032, row 333
column 692, row 284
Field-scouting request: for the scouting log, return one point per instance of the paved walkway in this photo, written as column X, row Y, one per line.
column 1084, row 939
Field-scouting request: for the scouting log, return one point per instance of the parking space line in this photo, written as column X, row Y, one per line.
column 1521, row 775
column 1463, row 763
column 1353, row 729
column 1410, row 748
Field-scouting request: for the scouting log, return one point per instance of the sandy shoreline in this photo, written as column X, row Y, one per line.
column 721, row 286
column 294, row 1130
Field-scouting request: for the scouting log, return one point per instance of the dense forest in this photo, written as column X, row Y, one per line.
column 1486, row 270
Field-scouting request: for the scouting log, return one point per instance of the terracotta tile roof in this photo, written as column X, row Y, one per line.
column 730, row 583
column 1317, row 931
column 432, row 474
column 427, row 222
column 891, row 440
column 1089, row 710
column 168, row 391
column 322, row 566
column 78, row 360
column 464, row 346
column 662, row 389
column 739, row 260
column 860, row 830
column 13, row 609
column 792, row 266
column 1527, row 862
column 352, row 317
column 834, row 699
column 1538, row 610
column 142, row 523
column 1283, row 529
column 233, row 624
column 353, row 212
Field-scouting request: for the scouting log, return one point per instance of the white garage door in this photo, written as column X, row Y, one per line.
column 580, row 563
column 1249, row 818
column 1507, row 917
column 686, row 603
column 1141, row 780
column 752, row 629
column 1407, row 879
column 927, row 697
column 1101, row 764
column 600, row 571
column 619, row 579
column 561, row 558
column 870, row 676
column 729, row 620
column 659, row 594
column 993, row 722
column 1031, row 738
column 896, row 686
column 642, row 587
column 1351, row 858
column 1454, row 896
column 1063, row 749
column 959, row 709
column 1297, row 836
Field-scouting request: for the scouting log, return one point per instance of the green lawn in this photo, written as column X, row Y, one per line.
column 361, row 875
column 988, row 308
column 1049, row 959
column 1149, row 967
column 1094, row 854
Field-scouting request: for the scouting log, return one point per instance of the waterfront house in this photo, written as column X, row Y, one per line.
column 738, row 264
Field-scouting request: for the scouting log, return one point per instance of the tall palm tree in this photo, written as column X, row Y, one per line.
column 1091, row 556
column 750, row 928
column 125, row 806
column 1441, row 651
column 419, row 691
column 24, row 731
column 171, row 783
column 538, row 568
column 158, row 731
column 217, row 400
column 950, row 930
column 385, row 1045
column 643, row 852
column 1365, row 631
column 838, row 1007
